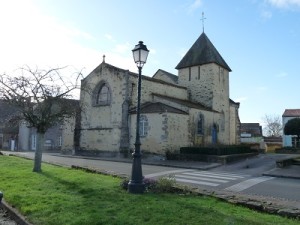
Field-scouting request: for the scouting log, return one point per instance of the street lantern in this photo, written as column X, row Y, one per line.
column 136, row 184
column 140, row 54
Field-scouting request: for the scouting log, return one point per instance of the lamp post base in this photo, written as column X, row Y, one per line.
column 136, row 185
column 136, row 188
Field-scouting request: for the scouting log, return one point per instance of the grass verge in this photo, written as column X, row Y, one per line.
column 63, row 196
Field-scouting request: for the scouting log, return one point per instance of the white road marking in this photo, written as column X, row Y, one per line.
column 214, row 176
column 201, row 178
column 247, row 184
column 207, row 178
column 225, row 174
column 196, row 182
column 167, row 173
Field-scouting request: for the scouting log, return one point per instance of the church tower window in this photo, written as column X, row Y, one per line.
column 143, row 126
column 102, row 95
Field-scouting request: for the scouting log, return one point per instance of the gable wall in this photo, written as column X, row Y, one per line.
column 101, row 124
column 160, row 75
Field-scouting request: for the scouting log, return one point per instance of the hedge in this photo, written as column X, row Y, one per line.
column 222, row 150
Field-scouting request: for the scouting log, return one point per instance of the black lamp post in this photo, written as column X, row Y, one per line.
column 136, row 184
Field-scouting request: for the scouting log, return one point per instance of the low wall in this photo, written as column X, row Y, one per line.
column 223, row 159
column 287, row 162
column 288, row 151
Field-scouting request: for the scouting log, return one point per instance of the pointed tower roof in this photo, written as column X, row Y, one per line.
column 202, row 52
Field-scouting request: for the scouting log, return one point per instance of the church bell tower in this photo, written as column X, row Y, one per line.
column 205, row 74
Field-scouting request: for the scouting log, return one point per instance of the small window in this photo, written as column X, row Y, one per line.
column 60, row 141
column 143, row 126
column 200, row 123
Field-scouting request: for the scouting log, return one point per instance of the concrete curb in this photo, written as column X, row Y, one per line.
column 292, row 172
column 14, row 214
column 280, row 176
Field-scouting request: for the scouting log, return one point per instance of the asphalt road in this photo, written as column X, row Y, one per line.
column 283, row 188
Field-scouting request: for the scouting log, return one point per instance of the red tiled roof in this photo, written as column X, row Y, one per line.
column 291, row 113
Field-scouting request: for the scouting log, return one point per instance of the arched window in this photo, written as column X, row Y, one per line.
column 200, row 124
column 102, row 95
column 143, row 126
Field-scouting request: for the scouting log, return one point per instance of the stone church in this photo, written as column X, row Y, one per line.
column 192, row 108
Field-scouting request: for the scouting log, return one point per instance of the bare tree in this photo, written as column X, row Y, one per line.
column 273, row 125
column 43, row 98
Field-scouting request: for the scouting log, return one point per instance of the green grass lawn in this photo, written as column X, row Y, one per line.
column 62, row 196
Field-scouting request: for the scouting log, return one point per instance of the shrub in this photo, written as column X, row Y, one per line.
column 165, row 185
column 150, row 184
column 124, row 183
column 162, row 185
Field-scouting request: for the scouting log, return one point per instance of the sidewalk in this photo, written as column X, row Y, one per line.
column 292, row 171
column 157, row 161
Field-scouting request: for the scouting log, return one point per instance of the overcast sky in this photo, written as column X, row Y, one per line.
column 259, row 40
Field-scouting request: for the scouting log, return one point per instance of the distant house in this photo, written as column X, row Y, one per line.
column 272, row 143
column 20, row 137
column 289, row 140
column 251, row 133
column 8, row 131
column 28, row 138
column 61, row 136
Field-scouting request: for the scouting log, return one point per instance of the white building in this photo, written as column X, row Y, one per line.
column 289, row 140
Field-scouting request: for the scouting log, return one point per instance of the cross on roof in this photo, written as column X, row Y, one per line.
column 203, row 18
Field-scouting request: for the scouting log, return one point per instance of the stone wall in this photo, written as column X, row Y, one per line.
column 150, row 86
column 68, row 135
column 166, row 132
column 209, row 85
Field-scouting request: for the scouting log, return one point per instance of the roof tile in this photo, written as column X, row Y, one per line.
column 291, row 113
